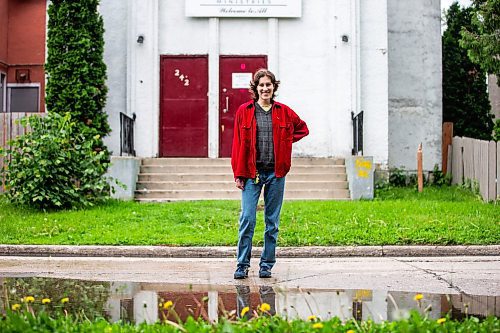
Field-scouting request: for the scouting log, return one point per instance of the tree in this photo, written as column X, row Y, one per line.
column 482, row 37
column 76, row 72
column 465, row 98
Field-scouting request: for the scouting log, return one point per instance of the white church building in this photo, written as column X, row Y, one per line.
column 182, row 68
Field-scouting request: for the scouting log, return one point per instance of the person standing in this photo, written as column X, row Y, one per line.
column 264, row 131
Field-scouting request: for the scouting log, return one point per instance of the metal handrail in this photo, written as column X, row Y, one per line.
column 357, row 133
column 127, row 134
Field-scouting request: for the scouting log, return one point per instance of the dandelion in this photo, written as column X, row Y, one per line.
column 244, row 311
column 312, row 318
column 350, row 331
column 264, row 307
column 16, row 307
column 46, row 301
column 167, row 305
column 441, row 320
column 418, row 297
column 29, row 299
column 318, row 326
column 65, row 300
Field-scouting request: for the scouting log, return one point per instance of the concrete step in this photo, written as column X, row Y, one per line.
column 221, row 177
column 176, row 195
column 174, row 179
column 230, row 185
column 227, row 161
column 187, row 161
column 320, row 169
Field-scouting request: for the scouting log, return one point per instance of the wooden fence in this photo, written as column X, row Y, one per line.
column 479, row 161
column 9, row 129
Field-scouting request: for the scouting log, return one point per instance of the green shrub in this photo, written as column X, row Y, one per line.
column 397, row 177
column 439, row 178
column 496, row 130
column 55, row 165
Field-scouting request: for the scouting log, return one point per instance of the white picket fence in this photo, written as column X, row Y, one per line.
column 476, row 160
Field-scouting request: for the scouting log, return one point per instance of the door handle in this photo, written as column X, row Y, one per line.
column 227, row 105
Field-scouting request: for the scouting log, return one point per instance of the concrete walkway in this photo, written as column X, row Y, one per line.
column 229, row 252
column 474, row 275
column 432, row 269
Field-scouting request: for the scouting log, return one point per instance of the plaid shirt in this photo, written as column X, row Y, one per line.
column 265, row 145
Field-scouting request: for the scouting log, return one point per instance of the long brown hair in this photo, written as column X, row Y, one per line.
column 255, row 82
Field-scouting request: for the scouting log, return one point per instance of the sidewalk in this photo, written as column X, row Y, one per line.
column 230, row 251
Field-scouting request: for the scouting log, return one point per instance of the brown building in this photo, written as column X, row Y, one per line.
column 22, row 55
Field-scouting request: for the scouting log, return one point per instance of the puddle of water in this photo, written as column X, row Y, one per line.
column 137, row 302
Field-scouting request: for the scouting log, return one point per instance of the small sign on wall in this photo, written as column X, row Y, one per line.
column 244, row 8
column 241, row 80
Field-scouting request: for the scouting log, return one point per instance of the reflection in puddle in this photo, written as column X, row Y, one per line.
column 138, row 302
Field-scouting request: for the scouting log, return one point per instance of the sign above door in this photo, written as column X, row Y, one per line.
column 244, row 8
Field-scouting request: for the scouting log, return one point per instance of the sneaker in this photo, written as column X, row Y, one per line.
column 241, row 272
column 264, row 272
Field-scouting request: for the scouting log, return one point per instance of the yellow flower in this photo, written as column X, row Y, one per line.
column 312, row 318
column 318, row 325
column 16, row 307
column 29, row 299
column 350, row 331
column 264, row 307
column 418, row 297
column 441, row 320
column 244, row 311
column 46, row 301
column 65, row 300
column 167, row 305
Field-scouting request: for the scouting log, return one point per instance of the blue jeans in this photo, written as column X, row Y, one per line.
column 273, row 199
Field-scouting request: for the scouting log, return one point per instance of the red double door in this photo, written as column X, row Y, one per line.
column 184, row 102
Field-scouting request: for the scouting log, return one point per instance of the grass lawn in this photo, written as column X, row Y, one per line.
column 440, row 216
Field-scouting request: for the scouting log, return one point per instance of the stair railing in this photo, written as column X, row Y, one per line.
column 127, row 134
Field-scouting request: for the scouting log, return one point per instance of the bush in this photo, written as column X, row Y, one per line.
column 402, row 178
column 397, row 177
column 496, row 131
column 439, row 178
column 54, row 165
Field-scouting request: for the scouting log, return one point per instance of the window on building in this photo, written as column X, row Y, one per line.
column 3, row 92
column 23, row 97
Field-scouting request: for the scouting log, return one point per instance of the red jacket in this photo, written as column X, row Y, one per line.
column 287, row 128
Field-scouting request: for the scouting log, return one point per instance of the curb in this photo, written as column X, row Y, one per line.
column 230, row 251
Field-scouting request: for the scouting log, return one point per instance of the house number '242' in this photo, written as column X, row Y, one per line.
column 182, row 77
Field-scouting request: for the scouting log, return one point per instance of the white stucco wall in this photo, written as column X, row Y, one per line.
column 415, row 91
column 115, row 56
column 179, row 34
column 308, row 55
column 374, row 79
column 390, row 68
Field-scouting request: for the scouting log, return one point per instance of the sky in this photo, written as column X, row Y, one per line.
column 445, row 4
